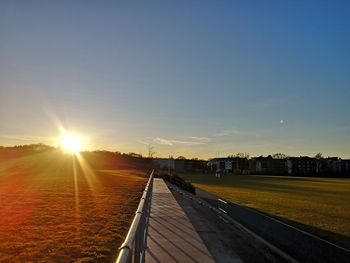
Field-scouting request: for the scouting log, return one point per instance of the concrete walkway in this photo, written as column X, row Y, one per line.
column 171, row 236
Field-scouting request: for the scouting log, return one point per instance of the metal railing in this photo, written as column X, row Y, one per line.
column 135, row 244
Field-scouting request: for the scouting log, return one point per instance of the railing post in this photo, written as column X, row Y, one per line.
column 134, row 247
column 137, row 245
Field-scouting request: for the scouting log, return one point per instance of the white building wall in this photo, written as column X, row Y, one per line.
column 228, row 165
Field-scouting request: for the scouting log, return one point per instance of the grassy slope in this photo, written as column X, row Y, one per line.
column 317, row 205
column 48, row 213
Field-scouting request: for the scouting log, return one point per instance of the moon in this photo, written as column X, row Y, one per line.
column 281, row 121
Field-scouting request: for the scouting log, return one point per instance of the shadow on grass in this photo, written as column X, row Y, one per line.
column 300, row 245
column 338, row 239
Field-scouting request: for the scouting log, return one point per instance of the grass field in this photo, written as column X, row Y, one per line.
column 318, row 205
column 54, row 208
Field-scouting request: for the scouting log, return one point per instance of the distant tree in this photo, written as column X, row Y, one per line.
column 181, row 158
column 240, row 155
column 318, row 156
column 131, row 154
column 279, row 156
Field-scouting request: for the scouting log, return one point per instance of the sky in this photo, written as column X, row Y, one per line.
column 192, row 78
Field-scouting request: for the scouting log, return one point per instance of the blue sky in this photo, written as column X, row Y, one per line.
column 193, row 78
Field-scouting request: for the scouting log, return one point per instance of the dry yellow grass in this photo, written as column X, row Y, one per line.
column 317, row 205
column 53, row 210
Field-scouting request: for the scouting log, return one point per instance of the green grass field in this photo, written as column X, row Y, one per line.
column 320, row 206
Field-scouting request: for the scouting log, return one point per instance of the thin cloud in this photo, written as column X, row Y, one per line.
column 172, row 142
column 226, row 133
column 142, row 142
column 200, row 139
column 26, row 138
column 163, row 141
column 274, row 102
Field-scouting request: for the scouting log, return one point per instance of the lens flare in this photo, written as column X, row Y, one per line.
column 71, row 144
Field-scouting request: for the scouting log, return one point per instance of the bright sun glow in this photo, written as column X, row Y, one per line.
column 71, row 143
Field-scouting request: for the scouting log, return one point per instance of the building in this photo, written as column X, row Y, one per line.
column 220, row 165
column 294, row 166
column 289, row 166
column 346, row 167
column 333, row 165
column 240, row 165
column 235, row 165
column 279, row 166
column 307, row 166
column 180, row 165
column 164, row 163
column 303, row 165
column 261, row 165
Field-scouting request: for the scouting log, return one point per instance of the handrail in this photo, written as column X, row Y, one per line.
column 135, row 244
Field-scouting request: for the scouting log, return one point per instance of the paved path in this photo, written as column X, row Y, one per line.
column 171, row 236
column 226, row 242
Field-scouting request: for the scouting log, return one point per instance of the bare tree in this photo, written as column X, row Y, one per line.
column 318, row 156
column 239, row 155
column 151, row 151
column 279, row 156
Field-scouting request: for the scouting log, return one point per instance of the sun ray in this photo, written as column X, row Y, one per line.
column 76, row 195
column 88, row 173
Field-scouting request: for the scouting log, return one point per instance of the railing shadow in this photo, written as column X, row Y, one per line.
column 171, row 238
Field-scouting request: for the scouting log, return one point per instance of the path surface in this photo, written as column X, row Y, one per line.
column 171, row 236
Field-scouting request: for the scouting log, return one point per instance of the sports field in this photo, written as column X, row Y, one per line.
column 56, row 208
column 320, row 206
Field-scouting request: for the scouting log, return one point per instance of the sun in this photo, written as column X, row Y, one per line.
column 71, row 143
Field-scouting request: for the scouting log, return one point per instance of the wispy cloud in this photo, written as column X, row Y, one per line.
column 200, row 139
column 273, row 102
column 26, row 138
column 142, row 142
column 163, row 141
column 226, row 133
column 173, row 142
